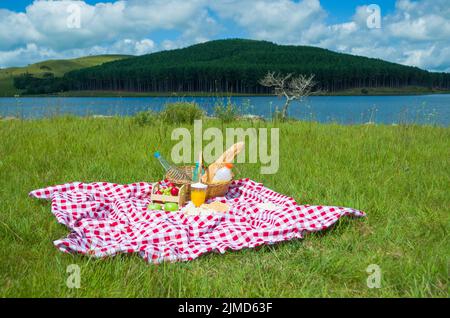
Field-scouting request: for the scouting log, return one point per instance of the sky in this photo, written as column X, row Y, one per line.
column 410, row 32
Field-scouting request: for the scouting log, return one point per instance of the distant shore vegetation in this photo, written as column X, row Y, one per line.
column 233, row 67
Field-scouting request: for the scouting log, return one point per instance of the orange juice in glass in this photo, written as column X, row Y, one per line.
column 198, row 194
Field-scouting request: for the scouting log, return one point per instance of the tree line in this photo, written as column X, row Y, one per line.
column 236, row 66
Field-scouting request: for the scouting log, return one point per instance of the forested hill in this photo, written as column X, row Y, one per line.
column 237, row 66
column 48, row 69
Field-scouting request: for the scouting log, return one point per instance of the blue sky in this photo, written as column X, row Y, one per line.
column 340, row 10
column 412, row 32
column 20, row 5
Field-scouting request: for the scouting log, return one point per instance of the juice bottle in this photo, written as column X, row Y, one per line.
column 198, row 194
column 224, row 174
column 171, row 171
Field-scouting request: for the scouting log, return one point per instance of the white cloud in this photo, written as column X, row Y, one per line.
column 15, row 29
column 199, row 29
column 144, row 46
column 281, row 21
column 45, row 30
column 129, row 46
column 32, row 53
column 417, row 34
column 25, row 55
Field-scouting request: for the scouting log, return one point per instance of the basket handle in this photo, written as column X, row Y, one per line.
column 200, row 165
column 208, row 176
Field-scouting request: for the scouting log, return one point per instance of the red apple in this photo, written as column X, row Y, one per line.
column 174, row 191
column 158, row 192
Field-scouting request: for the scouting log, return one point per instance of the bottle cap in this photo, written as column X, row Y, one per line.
column 229, row 165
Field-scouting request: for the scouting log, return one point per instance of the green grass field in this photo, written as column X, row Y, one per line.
column 57, row 67
column 398, row 175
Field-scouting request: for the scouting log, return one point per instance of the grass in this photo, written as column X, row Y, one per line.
column 399, row 175
column 57, row 67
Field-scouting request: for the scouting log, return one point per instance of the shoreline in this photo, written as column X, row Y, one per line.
column 100, row 94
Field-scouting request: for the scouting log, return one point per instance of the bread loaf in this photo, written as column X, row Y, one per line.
column 229, row 155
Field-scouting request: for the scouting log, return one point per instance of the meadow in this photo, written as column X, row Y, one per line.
column 56, row 67
column 399, row 175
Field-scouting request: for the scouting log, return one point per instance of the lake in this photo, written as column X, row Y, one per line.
column 421, row 109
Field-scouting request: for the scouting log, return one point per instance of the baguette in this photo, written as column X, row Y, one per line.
column 229, row 155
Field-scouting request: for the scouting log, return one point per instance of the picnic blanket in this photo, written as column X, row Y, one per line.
column 106, row 219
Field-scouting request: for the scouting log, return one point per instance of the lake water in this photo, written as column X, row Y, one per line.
column 421, row 109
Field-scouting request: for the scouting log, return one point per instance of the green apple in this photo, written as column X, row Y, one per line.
column 171, row 207
column 154, row 206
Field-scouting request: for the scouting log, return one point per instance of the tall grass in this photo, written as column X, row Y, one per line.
column 226, row 111
column 181, row 113
column 398, row 175
column 173, row 113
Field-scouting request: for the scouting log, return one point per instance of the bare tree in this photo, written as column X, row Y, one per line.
column 290, row 87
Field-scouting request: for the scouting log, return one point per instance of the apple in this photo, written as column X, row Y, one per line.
column 171, row 207
column 154, row 206
column 158, row 192
column 174, row 191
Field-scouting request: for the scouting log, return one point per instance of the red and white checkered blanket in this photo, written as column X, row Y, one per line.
column 106, row 219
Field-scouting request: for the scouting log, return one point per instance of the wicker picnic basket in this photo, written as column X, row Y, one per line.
column 215, row 189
